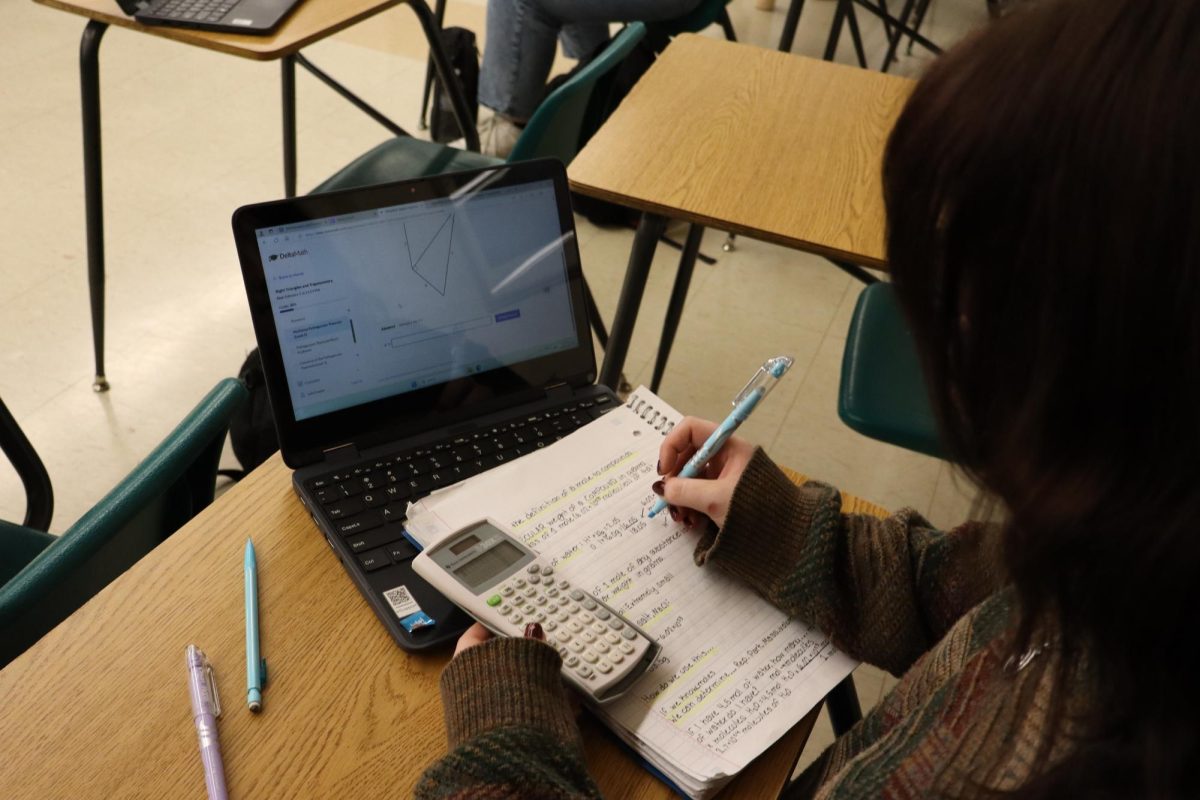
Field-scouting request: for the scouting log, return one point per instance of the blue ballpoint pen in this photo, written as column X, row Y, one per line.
column 256, row 665
column 746, row 401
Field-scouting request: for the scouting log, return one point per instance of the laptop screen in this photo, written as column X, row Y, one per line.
column 381, row 302
column 390, row 310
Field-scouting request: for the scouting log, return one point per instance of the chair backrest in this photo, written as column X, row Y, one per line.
column 556, row 128
column 882, row 393
column 173, row 484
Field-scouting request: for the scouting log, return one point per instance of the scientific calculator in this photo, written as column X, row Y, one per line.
column 497, row 580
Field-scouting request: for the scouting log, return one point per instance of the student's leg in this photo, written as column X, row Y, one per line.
column 521, row 40
column 522, row 35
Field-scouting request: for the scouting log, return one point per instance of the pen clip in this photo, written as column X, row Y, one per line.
column 211, row 681
column 750, row 386
column 766, row 376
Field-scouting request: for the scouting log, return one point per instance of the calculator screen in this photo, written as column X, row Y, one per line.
column 492, row 562
column 464, row 544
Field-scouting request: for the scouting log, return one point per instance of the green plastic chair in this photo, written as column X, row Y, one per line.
column 882, row 393
column 556, row 130
column 44, row 578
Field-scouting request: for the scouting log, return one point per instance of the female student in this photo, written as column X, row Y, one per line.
column 1043, row 197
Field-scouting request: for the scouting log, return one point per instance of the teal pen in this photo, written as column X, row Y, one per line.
column 747, row 400
column 256, row 665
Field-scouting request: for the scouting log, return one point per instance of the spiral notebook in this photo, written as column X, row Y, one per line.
column 734, row 674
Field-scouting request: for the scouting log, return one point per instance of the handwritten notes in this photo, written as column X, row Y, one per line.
column 734, row 673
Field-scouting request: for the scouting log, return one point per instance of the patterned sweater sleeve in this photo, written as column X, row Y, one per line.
column 510, row 729
column 885, row 589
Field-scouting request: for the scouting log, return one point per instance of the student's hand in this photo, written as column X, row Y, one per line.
column 693, row 498
column 476, row 634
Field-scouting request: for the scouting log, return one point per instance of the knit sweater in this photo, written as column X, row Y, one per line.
column 926, row 605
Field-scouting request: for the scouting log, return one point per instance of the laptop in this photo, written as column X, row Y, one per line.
column 260, row 17
column 413, row 335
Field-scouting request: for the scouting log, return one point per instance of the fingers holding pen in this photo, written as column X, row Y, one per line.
column 682, row 442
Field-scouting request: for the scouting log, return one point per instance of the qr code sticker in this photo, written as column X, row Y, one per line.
column 401, row 601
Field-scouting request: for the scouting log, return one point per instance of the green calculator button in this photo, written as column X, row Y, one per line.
column 494, row 600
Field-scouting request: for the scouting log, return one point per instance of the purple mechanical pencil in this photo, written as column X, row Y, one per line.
column 206, row 707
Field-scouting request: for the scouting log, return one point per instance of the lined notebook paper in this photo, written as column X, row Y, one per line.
column 734, row 673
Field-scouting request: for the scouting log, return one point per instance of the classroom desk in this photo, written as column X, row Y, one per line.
column 755, row 142
column 310, row 22
column 99, row 707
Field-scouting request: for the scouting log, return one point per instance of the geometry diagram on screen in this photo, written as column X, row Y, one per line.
column 428, row 241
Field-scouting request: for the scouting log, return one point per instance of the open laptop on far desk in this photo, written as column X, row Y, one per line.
column 412, row 335
column 232, row 16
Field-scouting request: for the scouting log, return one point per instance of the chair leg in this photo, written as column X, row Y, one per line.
column 727, row 25
column 842, row 705
column 730, row 243
column 39, row 494
column 683, row 279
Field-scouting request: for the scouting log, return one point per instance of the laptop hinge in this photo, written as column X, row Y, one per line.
column 341, row 454
column 559, row 391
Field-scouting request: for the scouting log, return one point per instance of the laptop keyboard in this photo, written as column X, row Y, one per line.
column 367, row 502
column 193, row 10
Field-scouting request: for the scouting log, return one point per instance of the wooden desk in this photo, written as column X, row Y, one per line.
column 766, row 144
column 311, row 21
column 99, row 707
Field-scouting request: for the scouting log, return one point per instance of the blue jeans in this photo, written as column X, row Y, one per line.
column 521, row 37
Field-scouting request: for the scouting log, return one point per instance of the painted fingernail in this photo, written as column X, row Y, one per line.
column 534, row 631
column 658, row 467
column 657, row 488
column 674, row 513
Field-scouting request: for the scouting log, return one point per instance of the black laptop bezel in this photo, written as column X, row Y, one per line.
column 304, row 442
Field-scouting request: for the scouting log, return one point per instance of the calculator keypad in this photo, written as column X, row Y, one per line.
column 592, row 640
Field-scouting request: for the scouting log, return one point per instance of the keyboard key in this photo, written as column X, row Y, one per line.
column 369, row 540
column 365, row 521
column 401, row 550
column 346, row 508
column 395, row 512
column 375, row 559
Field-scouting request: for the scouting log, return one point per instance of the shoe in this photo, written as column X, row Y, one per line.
column 498, row 136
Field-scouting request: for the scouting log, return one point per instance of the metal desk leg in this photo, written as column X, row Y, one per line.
column 835, row 30
column 644, row 244
column 439, row 12
column 93, row 193
column 842, row 705
column 445, row 72
column 287, row 81
column 683, row 279
column 789, row 25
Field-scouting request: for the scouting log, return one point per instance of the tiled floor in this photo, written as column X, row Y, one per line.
column 189, row 135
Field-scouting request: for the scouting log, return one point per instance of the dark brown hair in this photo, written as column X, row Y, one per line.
column 1043, row 200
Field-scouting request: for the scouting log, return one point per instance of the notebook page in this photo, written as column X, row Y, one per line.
column 734, row 673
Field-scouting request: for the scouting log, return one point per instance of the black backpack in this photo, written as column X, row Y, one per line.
column 460, row 47
column 608, row 95
column 252, row 428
